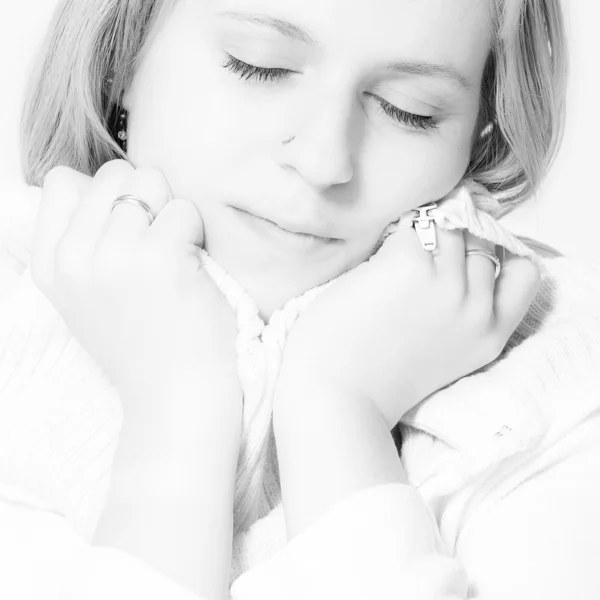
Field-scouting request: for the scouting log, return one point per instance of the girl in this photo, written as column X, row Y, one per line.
column 267, row 237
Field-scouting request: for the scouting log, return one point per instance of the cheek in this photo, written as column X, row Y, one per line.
column 414, row 169
column 174, row 120
column 187, row 119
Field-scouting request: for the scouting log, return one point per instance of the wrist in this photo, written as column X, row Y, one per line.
column 298, row 393
column 171, row 503
column 350, row 448
column 174, row 420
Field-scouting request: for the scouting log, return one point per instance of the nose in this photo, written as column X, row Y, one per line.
column 320, row 147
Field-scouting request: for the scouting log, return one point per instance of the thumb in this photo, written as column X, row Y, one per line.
column 399, row 245
column 61, row 195
column 179, row 221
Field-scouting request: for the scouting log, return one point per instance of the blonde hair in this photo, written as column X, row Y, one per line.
column 92, row 50
column 523, row 99
column 87, row 60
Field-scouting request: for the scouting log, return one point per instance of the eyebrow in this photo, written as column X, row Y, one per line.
column 427, row 69
column 284, row 27
column 292, row 31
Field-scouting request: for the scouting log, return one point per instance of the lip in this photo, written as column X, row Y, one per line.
column 270, row 231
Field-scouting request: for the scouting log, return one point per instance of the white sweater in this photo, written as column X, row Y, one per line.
column 503, row 465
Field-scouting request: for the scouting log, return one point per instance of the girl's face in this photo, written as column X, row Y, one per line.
column 327, row 117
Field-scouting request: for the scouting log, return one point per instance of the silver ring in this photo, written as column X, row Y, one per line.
column 489, row 255
column 129, row 199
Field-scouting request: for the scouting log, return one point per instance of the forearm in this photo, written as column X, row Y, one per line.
column 328, row 447
column 172, row 485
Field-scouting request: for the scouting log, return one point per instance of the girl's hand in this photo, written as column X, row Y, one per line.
column 408, row 322
column 133, row 294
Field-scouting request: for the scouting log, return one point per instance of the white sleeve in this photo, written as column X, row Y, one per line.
column 542, row 540
column 379, row 543
column 351, row 553
column 538, row 538
column 42, row 556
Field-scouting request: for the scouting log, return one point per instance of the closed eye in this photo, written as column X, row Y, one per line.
column 404, row 117
column 247, row 71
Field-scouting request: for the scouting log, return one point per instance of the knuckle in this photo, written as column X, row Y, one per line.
column 116, row 167
column 64, row 186
column 182, row 205
column 57, row 176
column 154, row 178
column 149, row 172
column 185, row 208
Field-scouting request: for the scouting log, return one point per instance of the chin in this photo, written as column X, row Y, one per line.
column 271, row 292
column 269, row 272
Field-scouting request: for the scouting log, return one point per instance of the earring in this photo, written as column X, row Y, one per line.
column 487, row 130
column 122, row 130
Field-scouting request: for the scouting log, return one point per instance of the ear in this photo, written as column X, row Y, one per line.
column 127, row 98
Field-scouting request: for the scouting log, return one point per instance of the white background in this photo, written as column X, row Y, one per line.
column 566, row 212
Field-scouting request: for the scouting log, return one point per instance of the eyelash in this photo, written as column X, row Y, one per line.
column 407, row 118
column 246, row 71
column 263, row 74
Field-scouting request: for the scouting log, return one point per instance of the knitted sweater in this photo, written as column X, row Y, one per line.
column 500, row 433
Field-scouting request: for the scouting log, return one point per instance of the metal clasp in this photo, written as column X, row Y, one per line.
column 424, row 225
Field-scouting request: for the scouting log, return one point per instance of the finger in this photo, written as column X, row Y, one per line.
column 401, row 247
column 129, row 221
column 178, row 222
column 62, row 192
column 516, row 287
column 449, row 254
column 480, row 270
column 89, row 221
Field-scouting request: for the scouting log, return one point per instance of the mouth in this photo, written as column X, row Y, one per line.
column 270, row 232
